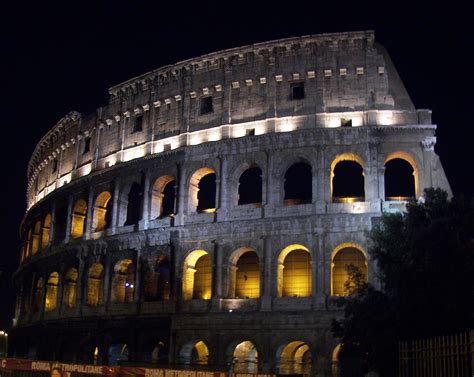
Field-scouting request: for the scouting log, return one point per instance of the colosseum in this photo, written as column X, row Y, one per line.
column 206, row 215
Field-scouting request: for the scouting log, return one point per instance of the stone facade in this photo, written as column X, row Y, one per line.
column 104, row 265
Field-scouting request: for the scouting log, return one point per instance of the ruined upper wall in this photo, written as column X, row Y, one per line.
column 344, row 75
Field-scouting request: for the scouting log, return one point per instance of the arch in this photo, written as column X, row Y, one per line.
column 344, row 255
column 250, row 186
column 123, row 282
column 244, row 357
column 157, row 284
column 197, row 276
column 294, row 358
column 194, row 353
column 244, row 274
column 38, row 298
column 102, row 212
column 134, row 204
column 46, row 233
column 408, row 158
column 347, row 179
column 117, row 353
column 70, row 286
column 294, row 272
column 335, row 361
column 35, row 241
column 78, row 219
column 298, row 184
column 51, row 298
column 348, row 360
column 155, row 350
column 202, row 191
column 163, row 197
column 94, row 284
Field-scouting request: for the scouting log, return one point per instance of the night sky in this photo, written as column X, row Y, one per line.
column 58, row 57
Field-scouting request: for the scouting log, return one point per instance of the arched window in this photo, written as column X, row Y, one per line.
column 294, row 358
column 294, row 272
column 158, row 281
column 78, row 219
column 134, row 204
column 250, row 186
column 202, row 191
column 244, row 274
column 245, row 358
column 347, row 179
column 51, row 299
column 298, row 184
column 94, row 284
column 399, row 180
column 343, row 257
column 197, row 276
column 194, row 353
column 102, row 212
column 69, row 290
column 39, row 294
column 163, row 197
column 46, row 231
column 36, row 238
column 123, row 282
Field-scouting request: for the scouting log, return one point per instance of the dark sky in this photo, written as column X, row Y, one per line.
column 58, row 57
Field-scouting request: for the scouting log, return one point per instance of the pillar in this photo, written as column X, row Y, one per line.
column 266, row 277
column 67, row 237
column 113, row 226
column 181, row 195
column 146, row 202
column 89, row 214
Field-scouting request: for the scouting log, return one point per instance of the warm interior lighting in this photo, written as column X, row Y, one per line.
column 343, row 256
column 294, row 272
column 197, row 276
column 295, row 358
column 207, row 210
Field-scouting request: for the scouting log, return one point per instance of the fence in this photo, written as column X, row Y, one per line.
column 445, row 356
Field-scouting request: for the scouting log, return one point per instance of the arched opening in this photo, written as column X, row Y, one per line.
column 202, row 191
column 78, row 219
column 94, row 284
column 118, row 353
column 51, row 298
column 70, row 286
column 298, row 184
column 294, row 272
column 245, row 358
column 158, row 281
column 163, row 197
column 348, row 361
column 36, row 238
column 197, row 276
column 399, row 180
column 134, row 204
column 347, row 179
column 60, row 223
column 344, row 257
column 155, row 351
column 123, row 282
column 250, row 186
column 39, row 292
column 294, row 358
column 194, row 353
column 244, row 274
column 46, row 231
column 102, row 212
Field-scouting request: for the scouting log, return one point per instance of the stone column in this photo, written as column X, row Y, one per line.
column 106, row 285
column 81, row 284
column 428, row 150
column 113, row 226
column 266, row 276
column 381, row 180
column 146, row 202
column 181, row 195
column 53, row 221
column 224, row 195
column 62, row 275
column 137, row 289
column 270, row 184
column 217, row 277
column 67, row 236
column 90, row 213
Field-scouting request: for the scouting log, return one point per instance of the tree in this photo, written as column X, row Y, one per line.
column 425, row 263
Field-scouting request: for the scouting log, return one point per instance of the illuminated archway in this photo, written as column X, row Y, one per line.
column 102, row 212
column 294, row 272
column 404, row 156
column 250, row 186
column 245, row 357
column 347, row 179
column 94, row 284
column 123, row 282
column 78, row 219
column 163, row 197
column 194, row 353
column 294, row 358
column 46, row 234
column 347, row 254
column 51, row 298
column 197, row 276
column 244, row 274
column 69, row 290
column 202, row 191
column 36, row 238
column 298, row 186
